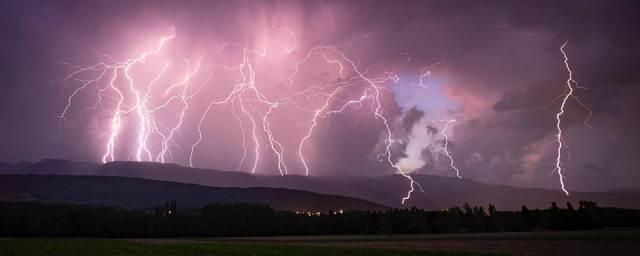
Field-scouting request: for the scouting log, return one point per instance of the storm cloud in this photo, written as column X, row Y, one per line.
column 499, row 70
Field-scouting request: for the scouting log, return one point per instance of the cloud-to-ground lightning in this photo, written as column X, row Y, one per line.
column 132, row 103
column 123, row 91
column 446, row 146
column 567, row 94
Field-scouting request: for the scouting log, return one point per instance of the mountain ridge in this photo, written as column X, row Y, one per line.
column 132, row 192
column 439, row 192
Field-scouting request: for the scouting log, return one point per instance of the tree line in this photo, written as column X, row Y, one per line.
column 37, row 219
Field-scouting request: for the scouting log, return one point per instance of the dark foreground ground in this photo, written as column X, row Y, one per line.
column 168, row 247
column 619, row 242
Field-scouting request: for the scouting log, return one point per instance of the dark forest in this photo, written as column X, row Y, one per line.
column 215, row 220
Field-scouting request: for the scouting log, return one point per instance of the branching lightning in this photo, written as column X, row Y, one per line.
column 132, row 103
column 567, row 94
column 446, row 146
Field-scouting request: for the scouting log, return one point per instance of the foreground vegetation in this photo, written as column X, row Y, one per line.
column 546, row 243
column 99, row 247
column 215, row 220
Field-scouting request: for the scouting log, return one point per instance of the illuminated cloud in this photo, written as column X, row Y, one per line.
column 500, row 67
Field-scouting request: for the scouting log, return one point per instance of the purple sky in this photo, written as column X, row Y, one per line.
column 499, row 68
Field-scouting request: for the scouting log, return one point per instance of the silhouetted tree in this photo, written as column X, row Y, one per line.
column 35, row 219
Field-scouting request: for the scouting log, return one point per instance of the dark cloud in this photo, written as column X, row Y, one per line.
column 501, row 67
column 594, row 167
column 411, row 117
column 432, row 130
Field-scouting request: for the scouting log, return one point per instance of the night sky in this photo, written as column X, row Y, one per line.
column 493, row 66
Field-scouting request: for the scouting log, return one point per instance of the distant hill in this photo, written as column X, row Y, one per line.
column 439, row 192
column 142, row 193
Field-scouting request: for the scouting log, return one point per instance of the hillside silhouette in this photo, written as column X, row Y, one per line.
column 439, row 192
column 141, row 193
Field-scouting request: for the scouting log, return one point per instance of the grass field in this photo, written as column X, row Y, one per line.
column 118, row 247
column 526, row 243
column 601, row 242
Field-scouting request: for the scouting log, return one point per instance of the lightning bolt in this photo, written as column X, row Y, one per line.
column 567, row 94
column 446, row 146
column 245, row 92
column 131, row 90
column 184, row 99
column 134, row 102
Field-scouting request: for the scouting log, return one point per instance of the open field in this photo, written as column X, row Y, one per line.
column 620, row 242
column 173, row 247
